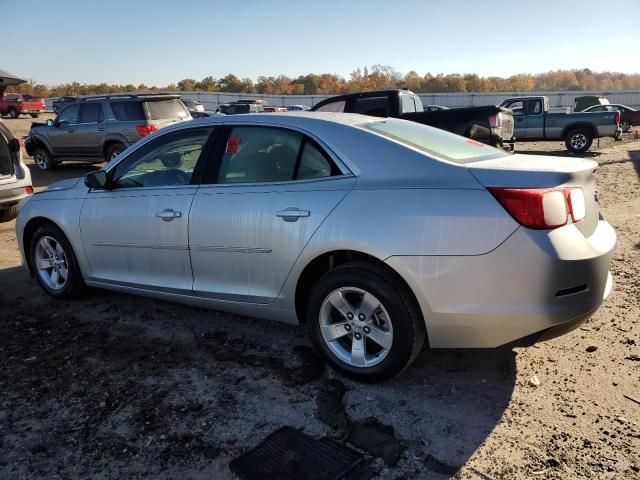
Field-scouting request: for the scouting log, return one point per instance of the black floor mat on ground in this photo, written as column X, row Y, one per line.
column 288, row 454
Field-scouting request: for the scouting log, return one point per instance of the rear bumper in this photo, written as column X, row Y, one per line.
column 535, row 283
column 11, row 196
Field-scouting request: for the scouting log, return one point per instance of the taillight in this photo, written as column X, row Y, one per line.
column 146, row 129
column 495, row 120
column 542, row 208
column 28, row 190
column 617, row 118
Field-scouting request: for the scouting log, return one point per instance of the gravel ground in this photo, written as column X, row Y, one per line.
column 114, row 386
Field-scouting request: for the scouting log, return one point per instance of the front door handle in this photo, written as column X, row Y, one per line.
column 70, row 131
column 292, row 214
column 101, row 129
column 168, row 214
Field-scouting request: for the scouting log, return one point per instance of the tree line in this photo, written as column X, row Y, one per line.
column 373, row 78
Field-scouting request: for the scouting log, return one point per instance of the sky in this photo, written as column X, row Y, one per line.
column 162, row 42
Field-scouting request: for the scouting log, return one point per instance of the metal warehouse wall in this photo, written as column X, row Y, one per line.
column 211, row 100
column 556, row 99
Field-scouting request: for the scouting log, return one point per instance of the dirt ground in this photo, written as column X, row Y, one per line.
column 114, row 386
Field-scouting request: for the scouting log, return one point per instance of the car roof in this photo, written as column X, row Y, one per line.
column 293, row 119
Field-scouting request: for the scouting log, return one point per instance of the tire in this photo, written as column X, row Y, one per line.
column 8, row 214
column 113, row 151
column 63, row 257
column 626, row 126
column 13, row 113
column 578, row 140
column 396, row 322
column 35, row 115
column 42, row 159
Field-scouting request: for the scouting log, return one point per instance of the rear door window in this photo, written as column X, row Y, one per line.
column 313, row 163
column 259, row 154
column 91, row 113
column 162, row 109
column 127, row 111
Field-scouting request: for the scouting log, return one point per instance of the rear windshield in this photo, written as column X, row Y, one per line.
column 434, row 142
column 162, row 109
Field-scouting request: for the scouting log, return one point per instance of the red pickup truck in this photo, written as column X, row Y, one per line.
column 14, row 104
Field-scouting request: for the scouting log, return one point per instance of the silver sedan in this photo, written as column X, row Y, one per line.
column 380, row 235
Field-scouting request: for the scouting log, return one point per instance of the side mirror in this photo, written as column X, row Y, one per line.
column 49, row 123
column 97, row 179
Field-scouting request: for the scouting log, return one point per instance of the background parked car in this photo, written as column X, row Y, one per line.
column 192, row 105
column 200, row 114
column 488, row 124
column 582, row 103
column 629, row 117
column 434, row 108
column 100, row 127
column 60, row 103
column 15, row 177
column 294, row 108
column 15, row 104
column 534, row 122
column 238, row 108
column 275, row 109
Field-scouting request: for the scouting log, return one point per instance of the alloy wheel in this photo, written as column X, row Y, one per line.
column 41, row 159
column 51, row 263
column 356, row 327
column 579, row 141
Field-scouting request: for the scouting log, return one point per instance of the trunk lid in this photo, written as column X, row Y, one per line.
column 538, row 171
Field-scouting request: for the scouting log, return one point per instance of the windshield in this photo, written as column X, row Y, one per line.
column 434, row 142
column 162, row 109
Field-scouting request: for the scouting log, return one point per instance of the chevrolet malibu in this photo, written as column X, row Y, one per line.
column 380, row 235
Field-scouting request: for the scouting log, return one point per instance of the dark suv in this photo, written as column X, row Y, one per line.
column 96, row 128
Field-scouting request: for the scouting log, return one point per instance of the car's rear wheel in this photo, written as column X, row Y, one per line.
column 8, row 213
column 54, row 263
column 13, row 113
column 34, row 115
column 367, row 326
column 626, row 126
column 578, row 140
column 42, row 159
column 113, row 151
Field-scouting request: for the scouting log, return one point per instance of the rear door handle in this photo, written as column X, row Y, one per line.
column 101, row 129
column 292, row 214
column 70, row 131
column 168, row 214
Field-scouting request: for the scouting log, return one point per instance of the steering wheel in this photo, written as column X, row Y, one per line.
column 176, row 177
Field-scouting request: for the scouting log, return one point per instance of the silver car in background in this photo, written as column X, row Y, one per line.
column 378, row 234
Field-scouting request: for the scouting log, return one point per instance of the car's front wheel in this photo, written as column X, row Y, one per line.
column 13, row 113
column 42, row 159
column 54, row 263
column 366, row 325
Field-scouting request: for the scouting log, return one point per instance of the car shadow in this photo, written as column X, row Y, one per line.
column 43, row 178
column 133, row 354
